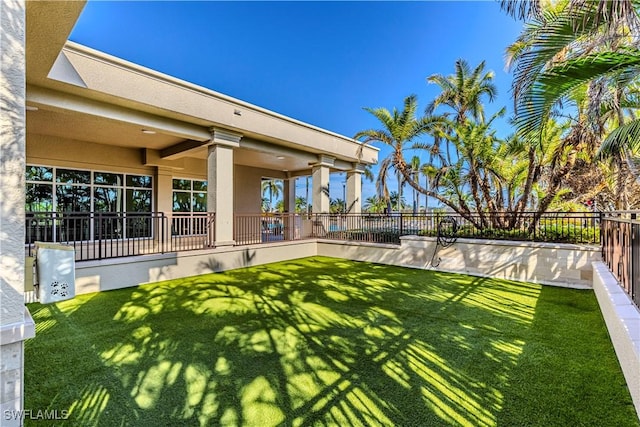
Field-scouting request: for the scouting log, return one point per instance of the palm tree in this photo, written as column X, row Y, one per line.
column 415, row 175
column 463, row 91
column 273, row 188
column 301, row 204
column 374, row 204
column 398, row 129
column 337, row 206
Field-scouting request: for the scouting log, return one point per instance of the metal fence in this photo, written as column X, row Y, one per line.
column 250, row 229
column 97, row 235
column 565, row 227
column 192, row 231
column 621, row 250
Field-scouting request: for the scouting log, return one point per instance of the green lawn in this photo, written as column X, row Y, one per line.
column 324, row 341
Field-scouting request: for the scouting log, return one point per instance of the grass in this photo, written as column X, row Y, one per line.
column 324, row 341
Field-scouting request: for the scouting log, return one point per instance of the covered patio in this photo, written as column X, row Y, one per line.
column 115, row 150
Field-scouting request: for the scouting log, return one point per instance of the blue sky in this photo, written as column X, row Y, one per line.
column 319, row 62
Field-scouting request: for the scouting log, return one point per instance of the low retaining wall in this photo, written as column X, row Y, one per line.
column 545, row 263
column 556, row 264
column 623, row 322
column 116, row 273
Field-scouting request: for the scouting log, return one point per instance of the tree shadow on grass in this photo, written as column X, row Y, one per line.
column 317, row 341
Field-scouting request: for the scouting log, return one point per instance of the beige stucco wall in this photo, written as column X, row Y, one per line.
column 53, row 151
column 248, row 187
column 15, row 322
column 545, row 263
column 548, row 263
column 95, row 276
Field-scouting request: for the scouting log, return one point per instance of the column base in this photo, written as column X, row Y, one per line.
column 220, row 243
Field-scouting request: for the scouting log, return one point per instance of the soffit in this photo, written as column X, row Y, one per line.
column 48, row 25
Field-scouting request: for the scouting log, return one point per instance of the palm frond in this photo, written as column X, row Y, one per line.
column 534, row 108
column 625, row 137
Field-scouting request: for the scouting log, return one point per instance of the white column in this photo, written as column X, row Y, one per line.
column 220, row 184
column 354, row 189
column 16, row 324
column 320, row 177
column 289, row 196
column 289, row 199
column 164, row 200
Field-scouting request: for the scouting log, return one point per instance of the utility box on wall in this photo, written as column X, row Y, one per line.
column 55, row 272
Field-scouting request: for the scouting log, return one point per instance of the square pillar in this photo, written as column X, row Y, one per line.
column 220, row 184
column 164, row 203
column 320, row 178
column 16, row 324
column 289, row 199
column 289, row 195
column 354, row 190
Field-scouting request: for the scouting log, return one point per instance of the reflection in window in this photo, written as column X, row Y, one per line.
column 39, row 173
column 181, row 201
column 39, row 198
column 182, row 184
column 140, row 181
column 139, row 200
column 81, row 192
column 189, row 195
column 106, row 199
column 103, row 178
column 199, row 185
column 70, row 176
column 73, row 198
column 199, row 202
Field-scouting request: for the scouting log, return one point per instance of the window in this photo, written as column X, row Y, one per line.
column 189, row 195
column 189, row 206
column 73, row 194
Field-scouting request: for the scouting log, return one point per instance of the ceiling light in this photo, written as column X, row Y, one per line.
column 149, row 132
column 280, row 157
column 30, row 108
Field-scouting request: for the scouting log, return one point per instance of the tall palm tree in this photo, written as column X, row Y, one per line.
column 273, row 188
column 415, row 175
column 464, row 90
column 399, row 128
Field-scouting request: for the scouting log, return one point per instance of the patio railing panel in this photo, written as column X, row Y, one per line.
column 98, row 235
column 621, row 250
column 567, row 227
column 251, row 229
column 192, row 231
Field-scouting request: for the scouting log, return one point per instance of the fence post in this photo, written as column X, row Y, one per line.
column 601, row 220
column 633, row 262
column 99, row 219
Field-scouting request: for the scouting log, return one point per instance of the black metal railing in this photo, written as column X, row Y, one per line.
column 98, row 235
column 192, row 231
column 621, row 249
column 557, row 227
column 252, row 229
